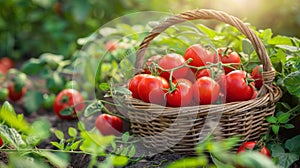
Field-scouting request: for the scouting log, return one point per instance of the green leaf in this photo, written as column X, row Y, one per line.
column 254, row 159
column 52, row 60
column 283, row 40
column 119, row 160
column 59, row 134
column 275, row 129
column 284, row 159
column 9, row 117
column 125, row 137
column 58, row 145
column 104, row 86
column 292, row 83
column 33, row 100
column 247, row 46
column 283, row 118
column 57, row 161
column 75, row 145
column 288, row 126
column 188, row 162
column 12, row 136
column 289, row 48
column 266, row 34
column 293, row 145
column 16, row 160
column 55, row 83
column 32, row 67
column 72, row 132
column 271, row 119
column 132, row 151
column 122, row 90
column 209, row 32
column 40, row 129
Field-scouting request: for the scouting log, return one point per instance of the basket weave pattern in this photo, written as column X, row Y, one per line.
column 180, row 129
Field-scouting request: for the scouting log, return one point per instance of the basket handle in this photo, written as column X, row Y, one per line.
column 268, row 73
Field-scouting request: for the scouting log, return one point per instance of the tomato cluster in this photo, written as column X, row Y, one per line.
column 199, row 77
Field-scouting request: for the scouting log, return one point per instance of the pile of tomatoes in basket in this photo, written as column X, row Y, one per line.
column 199, row 77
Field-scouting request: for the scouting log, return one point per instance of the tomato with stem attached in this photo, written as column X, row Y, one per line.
column 239, row 87
column 109, row 125
column 199, row 55
column 227, row 56
column 14, row 93
column 206, row 90
column 149, row 66
column 171, row 61
column 151, row 89
column 251, row 145
column 182, row 95
column 67, row 103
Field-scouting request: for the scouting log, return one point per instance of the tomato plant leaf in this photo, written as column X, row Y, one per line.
column 72, row 132
column 289, row 48
column 104, row 86
column 275, row 129
column 271, row 119
column 288, row 126
column 12, row 136
column 40, row 130
column 32, row 67
column 255, row 159
column 59, row 134
column 292, row 83
column 247, row 46
column 283, row 40
column 188, row 162
column 284, row 159
column 119, row 160
column 54, row 159
column 283, row 118
column 33, row 100
column 132, row 151
column 125, row 137
column 293, row 144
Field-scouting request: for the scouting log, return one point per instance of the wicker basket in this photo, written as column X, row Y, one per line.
column 180, row 129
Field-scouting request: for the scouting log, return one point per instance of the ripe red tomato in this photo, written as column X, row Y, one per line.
column 1, row 142
column 133, row 84
column 190, row 76
column 3, row 69
column 153, row 59
column 229, row 57
column 67, row 103
column 171, row 61
column 251, row 145
column 15, row 95
column 109, row 125
column 202, row 72
column 257, row 75
column 151, row 89
column 206, row 90
column 199, row 55
column 7, row 62
column 111, row 45
column 183, row 95
column 237, row 88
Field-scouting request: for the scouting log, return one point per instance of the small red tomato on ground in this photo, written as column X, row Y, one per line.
column 171, row 61
column 228, row 56
column 182, row 95
column 67, row 103
column 206, row 90
column 237, row 87
column 257, row 75
column 152, row 89
column 7, row 62
column 251, row 145
column 133, row 84
column 109, row 124
column 148, row 65
column 14, row 94
column 199, row 55
column 1, row 142
column 111, row 45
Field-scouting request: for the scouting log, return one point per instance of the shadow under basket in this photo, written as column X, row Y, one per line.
column 180, row 129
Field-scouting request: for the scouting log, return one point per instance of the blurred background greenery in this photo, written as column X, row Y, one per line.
column 29, row 28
